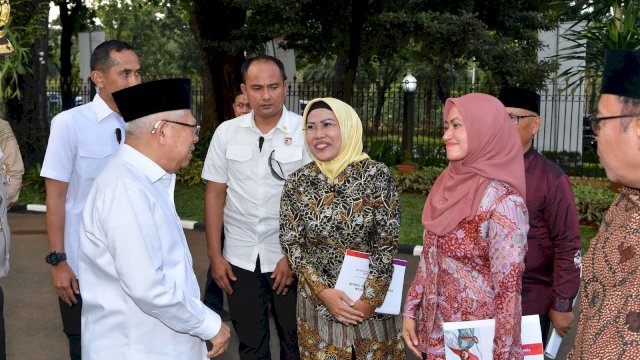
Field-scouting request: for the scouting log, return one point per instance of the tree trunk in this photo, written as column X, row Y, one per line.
column 212, row 23
column 28, row 114
column 67, row 19
column 346, row 64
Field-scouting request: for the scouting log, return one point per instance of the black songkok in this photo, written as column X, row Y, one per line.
column 153, row 97
column 520, row 98
column 621, row 73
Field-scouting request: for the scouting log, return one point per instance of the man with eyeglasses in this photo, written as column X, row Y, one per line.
column 81, row 143
column 609, row 321
column 141, row 297
column 552, row 265
column 246, row 165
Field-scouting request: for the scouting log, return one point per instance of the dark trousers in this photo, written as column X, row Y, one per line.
column 249, row 306
column 545, row 322
column 3, row 347
column 213, row 296
column 71, row 319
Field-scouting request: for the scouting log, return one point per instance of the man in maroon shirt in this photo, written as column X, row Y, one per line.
column 553, row 261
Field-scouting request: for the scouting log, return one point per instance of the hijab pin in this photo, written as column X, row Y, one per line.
column 288, row 140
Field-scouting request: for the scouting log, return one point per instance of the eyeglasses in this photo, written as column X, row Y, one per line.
column 516, row 118
column 594, row 120
column 280, row 176
column 195, row 127
column 312, row 127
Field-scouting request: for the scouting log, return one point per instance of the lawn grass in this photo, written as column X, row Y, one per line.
column 411, row 218
column 190, row 205
column 586, row 234
column 189, row 200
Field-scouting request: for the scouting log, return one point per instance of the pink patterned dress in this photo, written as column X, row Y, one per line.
column 473, row 272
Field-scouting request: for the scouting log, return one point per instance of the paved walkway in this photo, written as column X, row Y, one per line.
column 32, row 317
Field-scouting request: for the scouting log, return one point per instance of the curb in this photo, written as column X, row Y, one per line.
column 414, row 250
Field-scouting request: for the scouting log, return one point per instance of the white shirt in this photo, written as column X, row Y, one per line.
column 252, row 206
column 141, row 299
column 81, row 143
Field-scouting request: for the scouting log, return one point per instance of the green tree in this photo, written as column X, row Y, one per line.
column 74, row 17
column 26, row 112
column 611, row 24
column 216, row 25
column 158, row 30
column 316, row 29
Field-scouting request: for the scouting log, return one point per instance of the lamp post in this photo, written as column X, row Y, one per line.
column 409, row 85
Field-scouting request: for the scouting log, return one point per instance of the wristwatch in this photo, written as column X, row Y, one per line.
column 54, row 258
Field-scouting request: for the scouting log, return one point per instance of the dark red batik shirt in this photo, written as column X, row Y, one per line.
column 552, row 274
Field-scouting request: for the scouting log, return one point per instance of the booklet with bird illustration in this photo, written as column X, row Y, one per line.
column 474, row 339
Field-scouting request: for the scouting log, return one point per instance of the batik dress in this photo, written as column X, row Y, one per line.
column 609, row 323
column 319, row 221
column 474, row 272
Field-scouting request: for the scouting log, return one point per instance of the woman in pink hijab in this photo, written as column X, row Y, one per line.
column 475, row 236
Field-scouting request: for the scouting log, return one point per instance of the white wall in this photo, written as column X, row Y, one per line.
column 562, row 109
column 288, row 58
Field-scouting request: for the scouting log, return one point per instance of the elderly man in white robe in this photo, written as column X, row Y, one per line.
column 141, row 297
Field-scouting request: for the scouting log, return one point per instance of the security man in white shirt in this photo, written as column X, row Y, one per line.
column 81, row 143
column 141, row 297
column 247, row 162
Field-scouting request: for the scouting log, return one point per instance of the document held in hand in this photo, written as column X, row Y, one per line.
column 475, row 338
column 354, row 272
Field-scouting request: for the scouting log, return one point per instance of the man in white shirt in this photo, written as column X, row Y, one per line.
column 141, row 297
column 213, row 296
column 248, row 160
column 81, row 143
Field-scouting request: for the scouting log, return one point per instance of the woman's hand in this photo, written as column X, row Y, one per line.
column 340, row 306
column 409, row 335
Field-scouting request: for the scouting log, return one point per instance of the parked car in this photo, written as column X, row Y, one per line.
column 54, row 103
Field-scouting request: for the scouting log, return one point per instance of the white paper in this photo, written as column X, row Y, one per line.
column 354, row 272
column 553, row 345
column 476, row 337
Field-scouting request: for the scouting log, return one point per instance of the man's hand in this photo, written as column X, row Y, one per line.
column 220, row 341
column 340, row 306
column 561, row 321
column 283, row 277
column 65, row 282
column 409, row 336
column 364, row 308
column 221, row 273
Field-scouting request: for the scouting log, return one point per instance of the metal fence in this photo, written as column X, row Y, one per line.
column 564, row 136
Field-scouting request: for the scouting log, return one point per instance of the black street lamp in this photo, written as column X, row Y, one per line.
column 409, row 86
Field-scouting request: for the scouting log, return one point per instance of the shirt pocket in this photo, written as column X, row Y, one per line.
column 289, row 158
column 92, row 159
column 239, row 160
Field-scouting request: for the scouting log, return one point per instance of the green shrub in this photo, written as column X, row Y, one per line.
column 433, row 155
column 593, row 171
column 564, row 158
column 191, row 175
column 592, row 203
column 386, row 152
column 33, row 184
column 202, row 146
column 420, row 181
